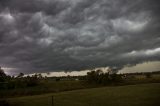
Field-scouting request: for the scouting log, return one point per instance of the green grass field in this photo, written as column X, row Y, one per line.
column 46, row 87
column 129, row 95
column 50, row 86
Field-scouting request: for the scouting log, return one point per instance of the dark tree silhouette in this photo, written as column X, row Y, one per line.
column 20, row 75
column 2, row 74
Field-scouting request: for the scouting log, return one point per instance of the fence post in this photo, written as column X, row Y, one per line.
column 52, row 101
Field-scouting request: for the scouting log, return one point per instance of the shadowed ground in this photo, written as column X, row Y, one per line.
column 130, row 95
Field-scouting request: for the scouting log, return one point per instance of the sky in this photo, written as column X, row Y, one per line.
column 55, row 35
column 142, row 67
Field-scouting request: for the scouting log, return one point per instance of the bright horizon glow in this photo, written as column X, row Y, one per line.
column 142, row 67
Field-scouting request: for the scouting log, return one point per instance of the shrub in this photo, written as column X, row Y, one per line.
column 103, row 78
column 148, row 75
column 4, row 103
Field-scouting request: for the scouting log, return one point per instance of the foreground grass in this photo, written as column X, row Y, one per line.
column 50, row 86
column 130, row 95
column 46, row 87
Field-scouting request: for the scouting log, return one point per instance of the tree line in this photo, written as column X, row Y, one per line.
column 8, row 82
column 99, row 77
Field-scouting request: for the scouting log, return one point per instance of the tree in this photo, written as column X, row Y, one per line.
column 2, row 74
column 95, row 76
column 116, row 78
column 148, row 75
column 40, row 75
column 91, row 76
column 20, row 75
column 103, row 78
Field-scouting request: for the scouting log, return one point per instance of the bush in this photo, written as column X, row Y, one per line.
column 4, row 103
column 103, row 78
column 32, row 81
column 116, row 78
column 148, row 75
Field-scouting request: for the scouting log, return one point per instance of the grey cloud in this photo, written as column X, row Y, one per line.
column 31, row 6
column 54, row 35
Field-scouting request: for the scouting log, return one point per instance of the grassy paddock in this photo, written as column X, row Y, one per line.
column 44, row 87
column 130, row 95
column 50, row 86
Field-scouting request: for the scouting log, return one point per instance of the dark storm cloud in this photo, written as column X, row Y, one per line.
column 48, row 35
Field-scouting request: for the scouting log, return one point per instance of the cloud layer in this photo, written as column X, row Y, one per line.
column 52, row 35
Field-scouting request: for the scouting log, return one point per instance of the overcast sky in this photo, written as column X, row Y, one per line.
column 55, row 35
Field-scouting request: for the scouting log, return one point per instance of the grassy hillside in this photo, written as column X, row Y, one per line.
column 130, row 95
column 46, row 87
column 51, row 86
